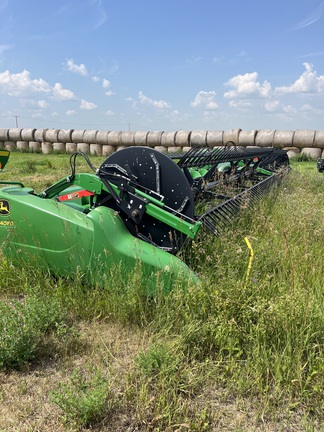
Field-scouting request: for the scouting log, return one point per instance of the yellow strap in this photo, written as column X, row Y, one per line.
column 250, row 261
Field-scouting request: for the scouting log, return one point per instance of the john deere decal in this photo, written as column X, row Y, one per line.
column 4, row 207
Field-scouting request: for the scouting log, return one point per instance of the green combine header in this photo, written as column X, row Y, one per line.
column 138, row 208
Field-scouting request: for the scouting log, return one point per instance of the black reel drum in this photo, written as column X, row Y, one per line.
column 158, row 176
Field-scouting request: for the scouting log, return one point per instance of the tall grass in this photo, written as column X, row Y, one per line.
column 252, row 336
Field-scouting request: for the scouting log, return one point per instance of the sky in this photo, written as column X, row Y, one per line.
column 167, row 65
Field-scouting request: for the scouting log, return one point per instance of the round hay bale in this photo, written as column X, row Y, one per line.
column 71, row 147
column 312, row 152
column 35, row 146
column 140, row 138
column 126, row 138
column 10, row 145
column 22, row 145
column 39, row 135
column 89, row 136
column 319, row 139
column 102, row 137
column 51, row 135
column 77, row 136
column 174, row 149
column 182, row 138
column 83, row 147
column 214, row 138
column 198, row 137
column 14, row 134
column 160, row 149
column 96, row 149
column 154, row 138
column 65, row 135
column 59, row 147
column 47, row 147
column 168, row 139
column 108, row 150
column 4, row 134
column 231, row 135
column 247, row 138
column 292, row 152
column 264, row 138
column 113, row 138
column 27, row 134
column 303, row 138
column 283, row 138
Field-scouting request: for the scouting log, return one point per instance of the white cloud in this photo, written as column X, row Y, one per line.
column 71, row 113
column 160, row 104
column 308, row 82
column 205, row 100
column 311, row 109
column 21, row 84
column 289, row 109
column 42, row 104
column 62, row 94
column 240, row 104
column 27, row 103
column 85, row 105
column 105, row 83
column 247, row 85
column 176, row 116
column 272, row 105
column 110, row 113
column 78, row 69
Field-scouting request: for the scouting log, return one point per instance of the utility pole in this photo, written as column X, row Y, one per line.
column 16, row 117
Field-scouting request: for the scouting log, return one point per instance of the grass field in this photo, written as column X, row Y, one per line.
column 242, row 351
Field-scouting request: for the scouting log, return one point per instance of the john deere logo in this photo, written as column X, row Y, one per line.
column 4, row 207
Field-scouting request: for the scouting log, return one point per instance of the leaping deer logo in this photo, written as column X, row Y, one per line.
column 4, row 207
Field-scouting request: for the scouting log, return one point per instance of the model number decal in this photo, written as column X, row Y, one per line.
column 6, row 223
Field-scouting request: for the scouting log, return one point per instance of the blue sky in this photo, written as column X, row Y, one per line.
column 162, row 64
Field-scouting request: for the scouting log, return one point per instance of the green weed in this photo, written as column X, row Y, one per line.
column 302, row 157
column 85, row 399
column 23, row 326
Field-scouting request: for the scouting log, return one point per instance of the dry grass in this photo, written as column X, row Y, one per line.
column 26, row 403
